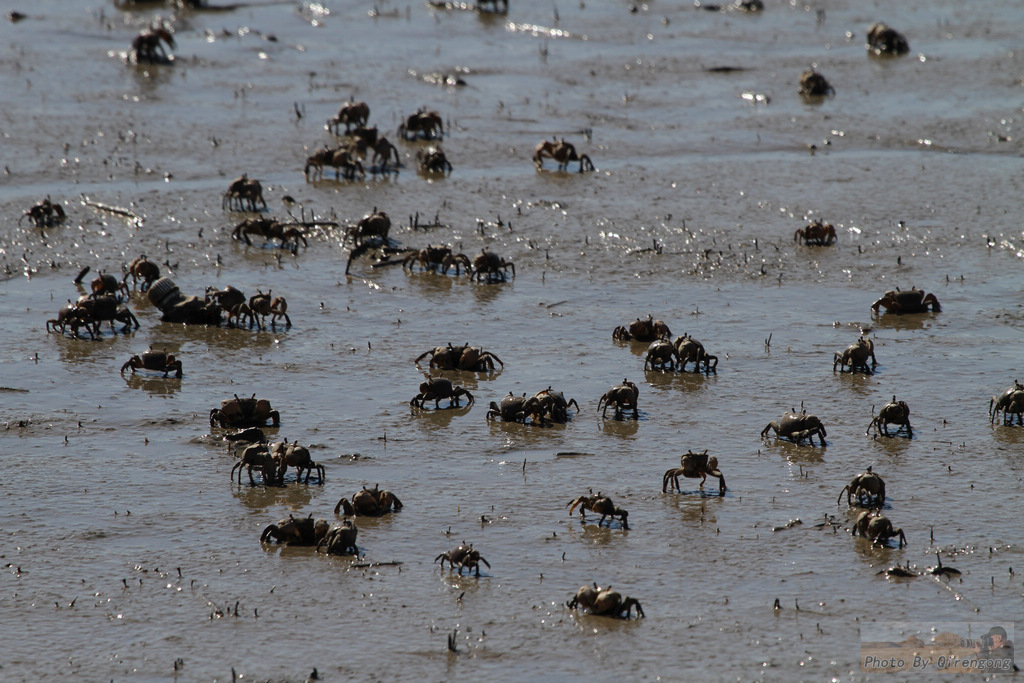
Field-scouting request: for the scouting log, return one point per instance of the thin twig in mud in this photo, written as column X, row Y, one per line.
column 364, row 565
column 137, row 219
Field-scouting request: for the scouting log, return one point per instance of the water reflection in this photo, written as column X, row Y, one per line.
column 259, row 498
column 900, row 323
column 692, row 509
column 432, row 419
column 683, row 381
column 802, row 453
column 620, row 426
column 154, row 384
column 590, row 533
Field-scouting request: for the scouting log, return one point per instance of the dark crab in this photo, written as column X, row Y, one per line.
column 436, row 259
column 797, row 427
column 867, row 489
column 1009, row 403
column 437, row 388
column 693, row 465
column 601, row 505
column 464, row 556
column 244, row 412
column 817, row 233
column 623, row 397
column 885, row 40
column 856, row 357
column 813, row 84
column 877, row 527
column 340, row 539
column 910, row 301
column 605, row 602
column 689, row 349
column 433, row 160
column 291, row 531
column 895, row 412
column 45, row 214
column 563, row 152
column 642, row 330
column 154, row 360
column 490, row 267
column 369, row 503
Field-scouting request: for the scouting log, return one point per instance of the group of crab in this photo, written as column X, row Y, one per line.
column 663, row 354
column 485, row 266
column 252, row 311
column 882, row 41
column 105, row 301
column 248, row 417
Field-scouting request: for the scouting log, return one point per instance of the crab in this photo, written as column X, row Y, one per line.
column 148, row 46
column 257, row 456
column 244, row 412
column 856, row 356
column 601, row 505
column 433, row 258
column 884, row 40
column 293, row 455
column 143, row 269
column 108, row 308
column 351, row 114
column 816, row 233
column 154, row 360
column 623, row 396
column 867, row 488
column 248, row 435
column 291, row 531
column 340, row 539
column 551, row 405
column 660, row 353
column 269, row 229
column 605, row 602
column 436, row 388
column 374, row 225
column 490, row 267
column 1010, row 403
column 369, row 503
column 346, row 163
column 514, row 409
column 689, row 349
column 910, row 301
column 642, row 331
column 261, row 305
column 797, row 427
column 693, row 465
column 467, row 358
column 426, row 123
column 105, row 284
column 243, row 192
column 877, row 527
column 813, row 84
column 342, row 159
column 227, row 298
column 74, row 317
column 895, row 412
column 433, row 160
column 464, row 556
column 563, row 152
column 45, row 214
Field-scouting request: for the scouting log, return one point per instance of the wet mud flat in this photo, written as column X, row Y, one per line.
column 129, row 555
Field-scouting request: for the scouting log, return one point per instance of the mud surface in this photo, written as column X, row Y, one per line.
column 707, row 162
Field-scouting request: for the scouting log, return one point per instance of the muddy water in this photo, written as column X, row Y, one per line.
column 113, row 484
